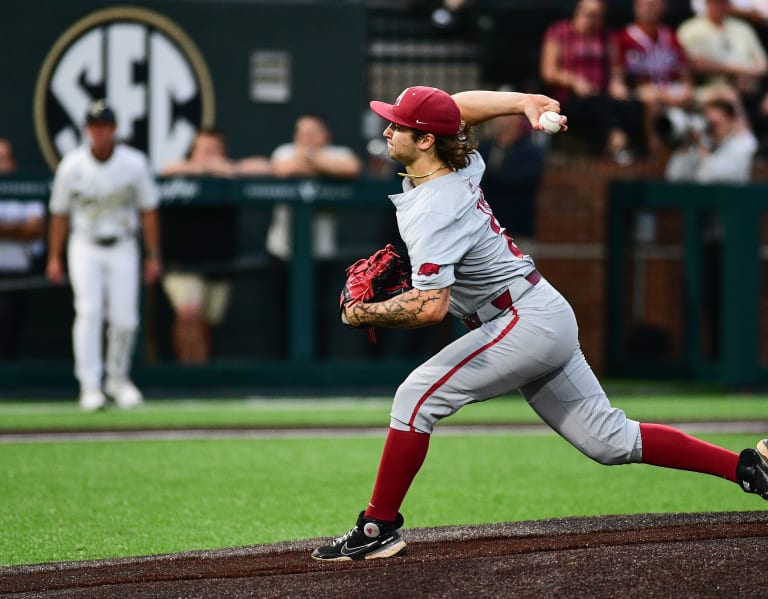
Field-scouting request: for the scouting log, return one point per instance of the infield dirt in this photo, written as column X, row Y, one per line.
column 668, row 555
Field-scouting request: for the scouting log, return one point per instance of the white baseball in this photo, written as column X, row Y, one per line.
column 550, row 120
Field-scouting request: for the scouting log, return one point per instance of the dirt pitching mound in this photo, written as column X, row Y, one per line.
column 666, row 555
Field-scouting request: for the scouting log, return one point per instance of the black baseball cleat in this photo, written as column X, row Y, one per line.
column 752, row 471
column 369, row 539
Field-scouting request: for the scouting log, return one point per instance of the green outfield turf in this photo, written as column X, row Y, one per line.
column 91, row 499
column 352, row 412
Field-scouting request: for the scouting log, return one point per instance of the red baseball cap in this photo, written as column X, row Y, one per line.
column 424, row 108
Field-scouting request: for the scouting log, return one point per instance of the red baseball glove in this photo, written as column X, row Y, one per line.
column 374, row 279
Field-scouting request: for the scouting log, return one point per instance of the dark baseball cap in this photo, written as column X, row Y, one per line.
column 100, row 112
column 424, row 108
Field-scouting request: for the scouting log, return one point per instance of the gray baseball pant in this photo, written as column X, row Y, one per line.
column 532, row 348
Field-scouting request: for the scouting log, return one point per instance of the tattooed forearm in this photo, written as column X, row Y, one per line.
column 412, row 309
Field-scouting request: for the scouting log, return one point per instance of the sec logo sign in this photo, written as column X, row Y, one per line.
column 150, row 71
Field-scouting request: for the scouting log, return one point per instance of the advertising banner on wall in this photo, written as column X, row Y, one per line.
column 169, row 68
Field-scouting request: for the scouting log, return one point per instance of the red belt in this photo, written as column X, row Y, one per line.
column 502, row 302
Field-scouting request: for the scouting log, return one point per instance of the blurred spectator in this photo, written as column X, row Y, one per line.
column 196, row 234
column 7, row 159
column 310, row 154
column 514, row 166
column 725, row 49
column 208, row 156
column 722, row 153
column 721, row 150
column 575, row 65
column 649, row 64
column 22, row 227
column 754, row 11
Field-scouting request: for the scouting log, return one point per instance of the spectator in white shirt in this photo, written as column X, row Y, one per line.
column 22, row 227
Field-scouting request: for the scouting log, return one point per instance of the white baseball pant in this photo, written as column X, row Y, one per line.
column 105, row 284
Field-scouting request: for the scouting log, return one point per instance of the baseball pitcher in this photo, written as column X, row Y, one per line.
column 522, row 332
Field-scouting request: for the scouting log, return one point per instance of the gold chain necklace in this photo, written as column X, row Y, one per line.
column 439, row 168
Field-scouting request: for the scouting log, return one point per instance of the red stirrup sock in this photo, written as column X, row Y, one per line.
column 671, row 448
column 403, row 455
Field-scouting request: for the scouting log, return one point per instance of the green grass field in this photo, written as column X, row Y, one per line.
column 353, row 412
column 92, row 499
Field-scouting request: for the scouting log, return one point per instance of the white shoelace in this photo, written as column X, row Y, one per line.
column 345, row 537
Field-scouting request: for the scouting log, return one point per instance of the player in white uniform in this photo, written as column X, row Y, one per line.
column 523, row 333
column 103, row 192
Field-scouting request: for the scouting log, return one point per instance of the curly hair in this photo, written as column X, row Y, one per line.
column 453, row 150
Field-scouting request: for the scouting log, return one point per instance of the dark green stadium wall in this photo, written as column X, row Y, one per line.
column 323, row 44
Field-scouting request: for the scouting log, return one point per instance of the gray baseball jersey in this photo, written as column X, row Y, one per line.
column 454, row 241
column 524, row 334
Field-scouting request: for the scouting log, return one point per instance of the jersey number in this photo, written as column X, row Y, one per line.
column 485, row 208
